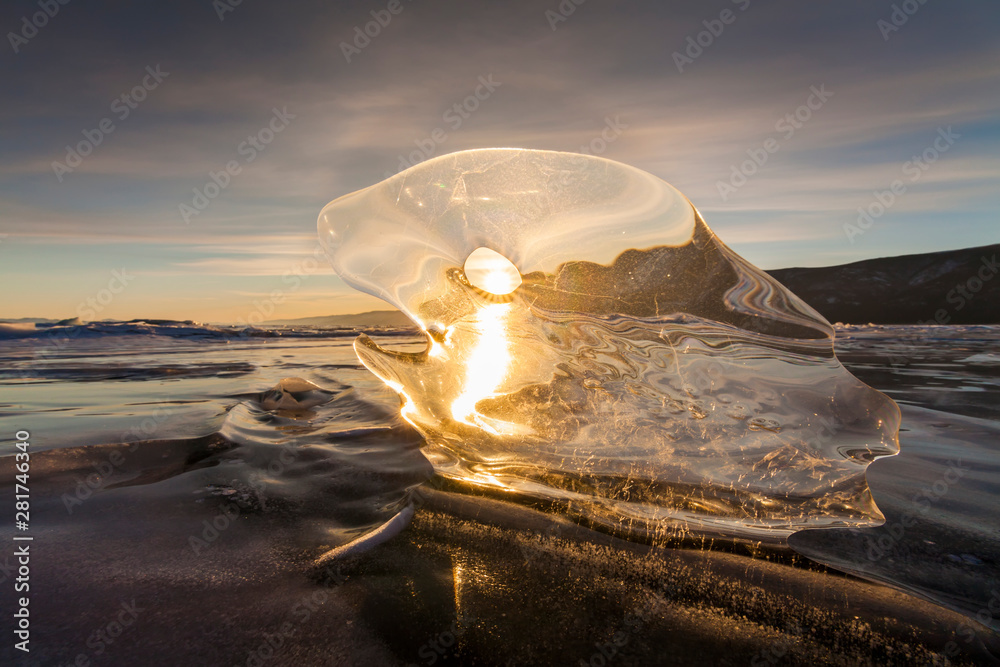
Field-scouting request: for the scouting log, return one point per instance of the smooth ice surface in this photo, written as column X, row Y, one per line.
column 641, row 372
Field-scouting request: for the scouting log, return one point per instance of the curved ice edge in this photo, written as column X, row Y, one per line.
column 383, row 533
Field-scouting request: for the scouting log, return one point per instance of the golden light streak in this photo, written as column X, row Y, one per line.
column 487, row 365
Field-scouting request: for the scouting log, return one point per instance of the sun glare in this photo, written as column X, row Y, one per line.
column 492, row 272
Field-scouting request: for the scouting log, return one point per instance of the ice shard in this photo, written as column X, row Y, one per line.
column 591, row 341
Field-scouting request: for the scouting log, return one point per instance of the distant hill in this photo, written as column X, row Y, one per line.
column 374, row 318
column 948, row 287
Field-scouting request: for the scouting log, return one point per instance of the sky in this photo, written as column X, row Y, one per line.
column 116, row 115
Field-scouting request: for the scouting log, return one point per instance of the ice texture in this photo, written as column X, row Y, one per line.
column 641, row 373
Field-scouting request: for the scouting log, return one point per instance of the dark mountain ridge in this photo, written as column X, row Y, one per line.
column 947, row 287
